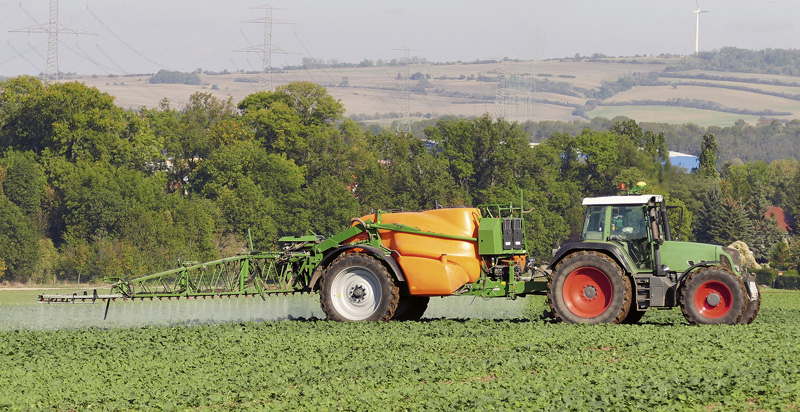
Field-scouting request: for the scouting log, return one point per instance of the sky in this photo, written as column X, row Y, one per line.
column 144, row 36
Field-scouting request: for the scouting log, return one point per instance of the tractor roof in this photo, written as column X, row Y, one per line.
column 622, row 200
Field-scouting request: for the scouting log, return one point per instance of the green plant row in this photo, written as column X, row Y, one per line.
column 438, row 364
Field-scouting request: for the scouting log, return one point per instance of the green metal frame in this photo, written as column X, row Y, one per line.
column 292, row 269
column 511, row 284
column 258, row 273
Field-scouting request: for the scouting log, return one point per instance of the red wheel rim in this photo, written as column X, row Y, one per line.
column 587, row 292
column 713, row 299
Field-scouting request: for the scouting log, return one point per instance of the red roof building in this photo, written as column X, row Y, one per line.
column 785, row 221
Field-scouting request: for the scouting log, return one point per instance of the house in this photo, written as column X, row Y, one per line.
column 785, row 221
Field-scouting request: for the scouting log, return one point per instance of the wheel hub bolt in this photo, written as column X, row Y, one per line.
column 358, row 293
column 590, row 292
column 713, row 299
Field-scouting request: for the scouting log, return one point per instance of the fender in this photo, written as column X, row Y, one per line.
column 682, row 277
column 394, row 268
column 605, row 247
column 703, row 264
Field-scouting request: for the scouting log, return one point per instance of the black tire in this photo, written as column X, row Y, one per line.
column 753, row 306
column 589, row 287
column 357, row 287
column 713, row 296
column 634, row 316
column 411, row 307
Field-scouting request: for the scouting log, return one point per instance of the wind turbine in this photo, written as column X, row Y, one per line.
column 697, row 30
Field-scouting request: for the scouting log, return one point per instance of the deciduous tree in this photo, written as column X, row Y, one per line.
column 708, row 157
column 18, row 241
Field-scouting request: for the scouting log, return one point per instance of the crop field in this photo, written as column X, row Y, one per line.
column 730, row 98
column 377, row 92
column 510, row 359
column 379, row 84
column 745, row 76
column 732, row 84
column 669, row 114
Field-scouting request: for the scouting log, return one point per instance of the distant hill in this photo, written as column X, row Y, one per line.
column 668, row 89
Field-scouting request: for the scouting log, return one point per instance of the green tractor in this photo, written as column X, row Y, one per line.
column 627, row 263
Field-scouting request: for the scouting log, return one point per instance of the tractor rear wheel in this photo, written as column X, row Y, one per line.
column 713, row 296
column 589, row 287
column 411, row 307
column 357, row 287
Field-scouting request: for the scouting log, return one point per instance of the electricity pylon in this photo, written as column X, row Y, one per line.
column 405, row 125
column 52, row 28
column 266, row 49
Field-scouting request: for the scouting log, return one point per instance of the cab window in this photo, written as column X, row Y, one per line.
column 593, row 224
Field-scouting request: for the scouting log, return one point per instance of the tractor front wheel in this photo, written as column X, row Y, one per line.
column 589, row 287
column 357, row 287
column 713, row 296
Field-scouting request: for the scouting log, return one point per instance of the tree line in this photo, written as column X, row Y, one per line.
column 768, row 140
column 732, row 59
column 88, row 189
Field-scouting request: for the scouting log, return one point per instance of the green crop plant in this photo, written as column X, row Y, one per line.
column 436, row 364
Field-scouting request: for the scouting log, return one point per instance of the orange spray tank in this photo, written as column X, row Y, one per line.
column 433, row 265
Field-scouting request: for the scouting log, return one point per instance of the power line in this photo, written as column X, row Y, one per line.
column 121, row 69
column 8, row 59
column 22, row 55
column 35, row 50
column 311, row 55
column 32, row 17
column 7, row 16
column 142, row 55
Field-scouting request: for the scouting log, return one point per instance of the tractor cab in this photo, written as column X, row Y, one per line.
column 632, row 223
column 637, row 228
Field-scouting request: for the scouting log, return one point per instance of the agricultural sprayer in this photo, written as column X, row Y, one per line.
column 387, row 265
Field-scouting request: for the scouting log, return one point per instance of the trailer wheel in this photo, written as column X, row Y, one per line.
column 713, row 296
column 589, row 287
column 753, row 307
column 357, row 287
column 411, row 307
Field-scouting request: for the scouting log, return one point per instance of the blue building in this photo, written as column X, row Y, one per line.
column 684, row 160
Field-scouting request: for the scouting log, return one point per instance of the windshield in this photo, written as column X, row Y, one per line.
column 628, row 222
